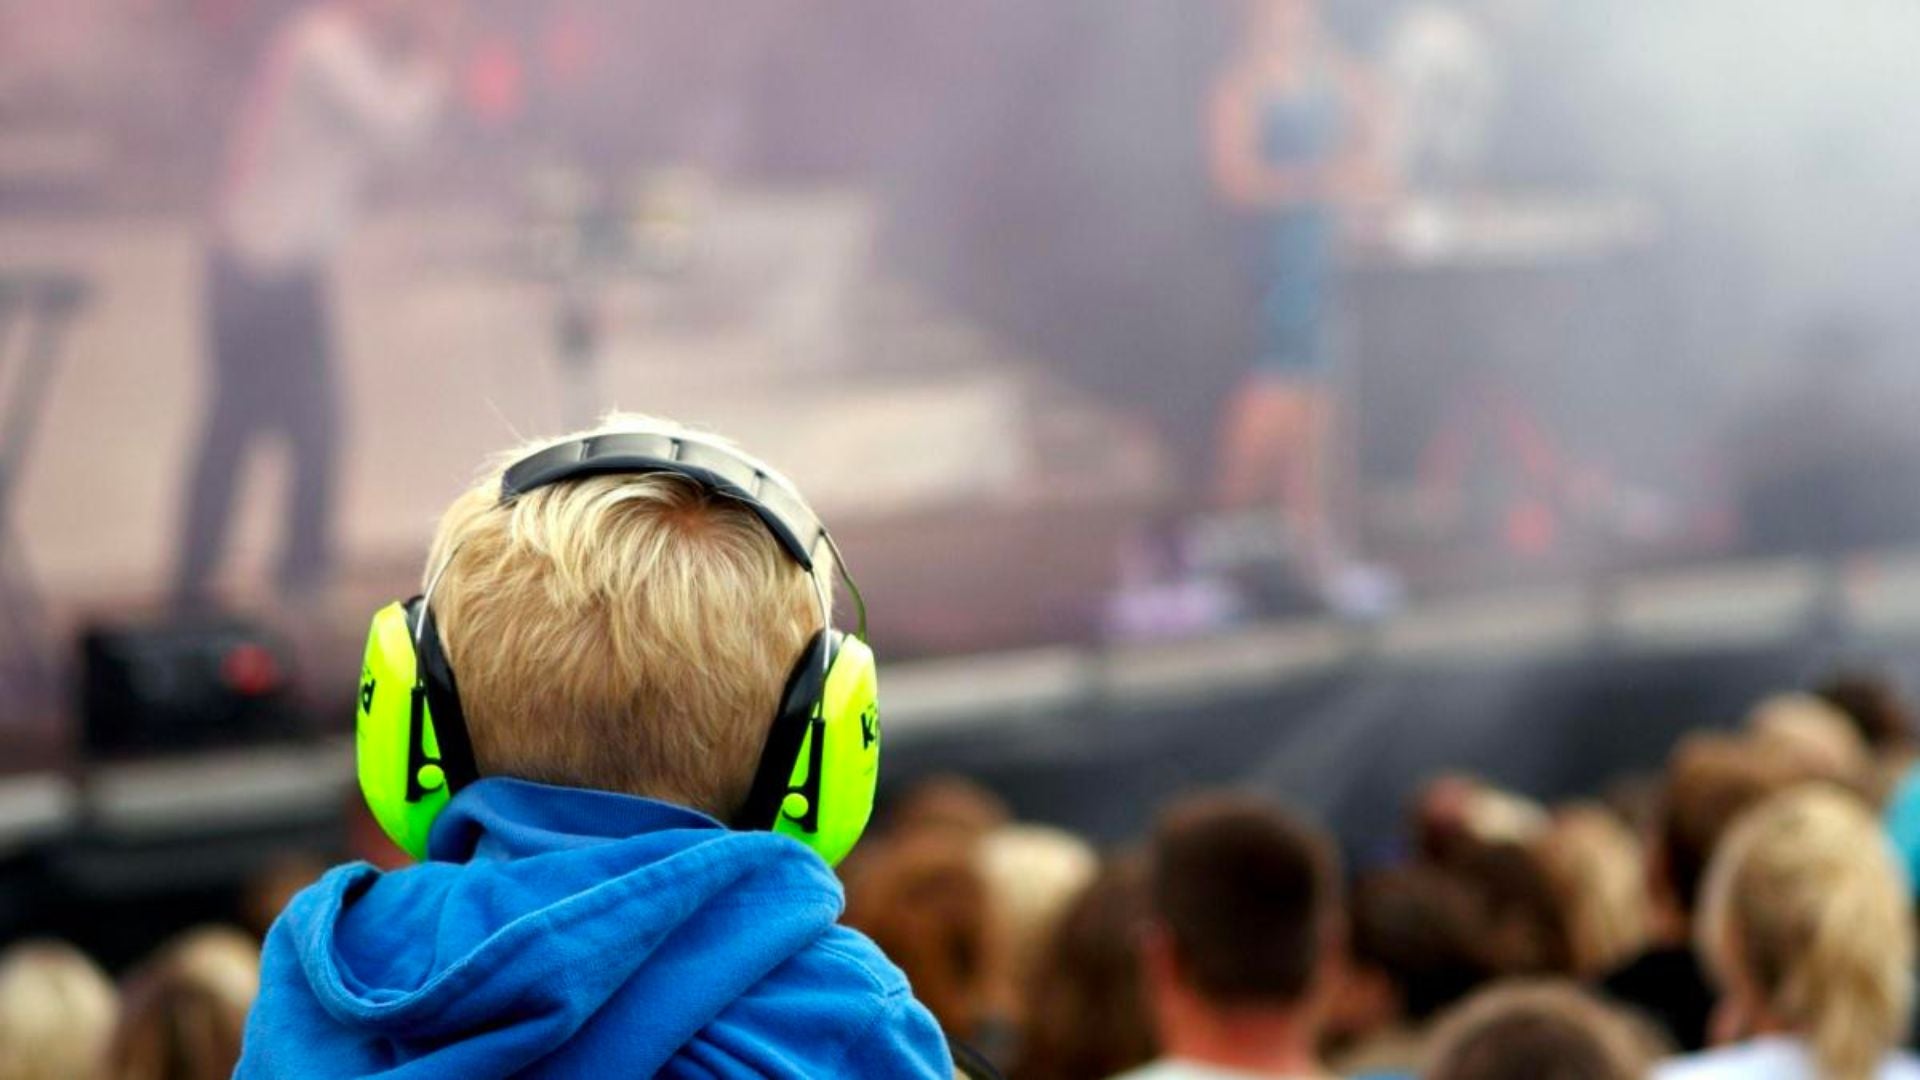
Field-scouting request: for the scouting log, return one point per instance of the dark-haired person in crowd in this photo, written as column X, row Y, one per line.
column 1876, row 707
column 1537, row 1031
column 1709, row 781
column 1414, row 949
column 1526, row 927
column 1086, row 1009
column 1243, row 930
column 1807, row 926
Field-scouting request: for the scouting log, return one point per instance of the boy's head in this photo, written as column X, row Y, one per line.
column 626, row 633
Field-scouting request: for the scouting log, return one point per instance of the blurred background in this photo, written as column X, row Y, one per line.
column 1316, row 397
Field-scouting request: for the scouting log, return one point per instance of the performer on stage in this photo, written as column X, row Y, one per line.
column 1295, row 134
column 345, row 84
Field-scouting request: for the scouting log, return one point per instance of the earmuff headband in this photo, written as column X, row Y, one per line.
column 719, row 469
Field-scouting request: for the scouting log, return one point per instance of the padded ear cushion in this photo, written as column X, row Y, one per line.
column 444, row 713
column 799, row 700
column 409, row 765
column 831, row 782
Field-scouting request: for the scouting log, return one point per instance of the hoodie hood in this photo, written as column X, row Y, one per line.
column 552, row 924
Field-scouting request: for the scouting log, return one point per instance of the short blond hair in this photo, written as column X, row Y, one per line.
column 627, row 633
column 1596, row 868
column 57, row 1012
column 1815, row 734
column 1804, row 900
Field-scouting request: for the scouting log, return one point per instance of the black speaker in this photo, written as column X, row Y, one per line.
column 182, row 686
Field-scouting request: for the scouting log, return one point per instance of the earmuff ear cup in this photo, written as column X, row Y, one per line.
column 830, row 790
column 404, row 793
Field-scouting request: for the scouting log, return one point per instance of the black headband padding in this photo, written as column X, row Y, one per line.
column 715, row 468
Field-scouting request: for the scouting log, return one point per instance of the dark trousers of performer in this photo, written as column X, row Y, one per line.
column 271, row 339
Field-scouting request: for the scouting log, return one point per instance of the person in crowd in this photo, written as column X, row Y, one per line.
column 622, row 643
column 1033, row 872
column 1875, row 705
column 1527, row 928
column 1086, row 1010
column 1455, row 815
column 951, row 802
column 921, row 896
column 186, row 1008
column 1489, row 840
column 1243, row 932
column 1709, row 781
column 1807, row 926
column 1817, row 736
column 1877, row 708
column 274, row 885
column 57, row 1013
column 1537, row 1031
column 1597, row 871
column 345, row 85
column 1295, row 132
column 1414, row 949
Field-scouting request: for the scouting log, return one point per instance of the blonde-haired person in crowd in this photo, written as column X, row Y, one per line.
column 1595, row 866
column 621, row 643
column 187, row 1007
column 1086, row 1007
column 921, row 896
column 56, row 1013
column 1817, row 736
column 1710, row 780
column 1033, row 872
column 1808, row 930
column 1537, row 1031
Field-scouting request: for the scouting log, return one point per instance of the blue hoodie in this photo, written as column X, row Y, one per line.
column 558, row 932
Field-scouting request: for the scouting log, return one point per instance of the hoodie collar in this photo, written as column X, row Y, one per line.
column 499, row 818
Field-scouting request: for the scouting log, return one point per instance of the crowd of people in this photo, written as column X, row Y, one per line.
column 178, row 1016
column 1743, row 913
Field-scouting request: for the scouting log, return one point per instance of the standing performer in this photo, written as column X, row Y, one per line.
column 345, row 84
column 1295, row 131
